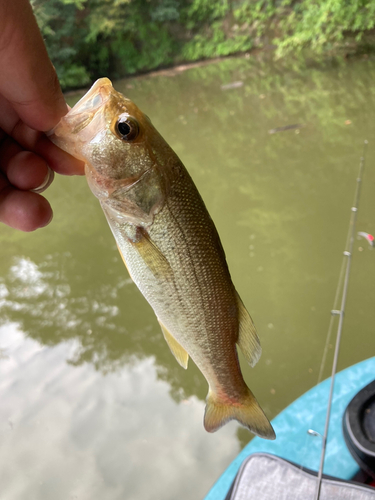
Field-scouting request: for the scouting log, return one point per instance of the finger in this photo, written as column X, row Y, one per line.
column 23, row 210
column 58, row 160
column 36, row 96
column 25, row 170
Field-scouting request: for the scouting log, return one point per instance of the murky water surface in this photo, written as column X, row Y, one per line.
column 93, row 405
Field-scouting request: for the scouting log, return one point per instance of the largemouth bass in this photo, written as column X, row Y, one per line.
column 169, row 245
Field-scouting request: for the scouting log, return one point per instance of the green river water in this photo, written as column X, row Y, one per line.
column 93, row 404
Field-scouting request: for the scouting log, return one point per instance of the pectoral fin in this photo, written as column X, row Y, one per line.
column 152, row 256
column 179, row 352
column 248, row 340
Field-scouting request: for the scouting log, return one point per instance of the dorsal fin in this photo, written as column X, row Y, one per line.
column 248, row 340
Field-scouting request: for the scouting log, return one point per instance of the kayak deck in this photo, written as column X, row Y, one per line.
column 293, row 443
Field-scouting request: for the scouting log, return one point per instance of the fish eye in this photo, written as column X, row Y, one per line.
column 127, row 128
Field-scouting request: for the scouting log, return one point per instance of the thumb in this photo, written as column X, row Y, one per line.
column 28, row 79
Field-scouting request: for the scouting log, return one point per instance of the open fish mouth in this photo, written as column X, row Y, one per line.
column 82, row 123
column 85, row 109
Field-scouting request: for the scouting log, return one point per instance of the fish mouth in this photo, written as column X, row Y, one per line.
column 83, row 121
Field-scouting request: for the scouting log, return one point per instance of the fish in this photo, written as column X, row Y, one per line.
column 169, row 245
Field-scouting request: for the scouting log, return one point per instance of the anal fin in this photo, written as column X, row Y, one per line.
column 248, row 340
column 177, row 350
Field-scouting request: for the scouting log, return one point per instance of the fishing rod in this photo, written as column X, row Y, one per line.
column 341, row 312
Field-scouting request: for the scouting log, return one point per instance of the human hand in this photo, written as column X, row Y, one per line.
column 31, row 102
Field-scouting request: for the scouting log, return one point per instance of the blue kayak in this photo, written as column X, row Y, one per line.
column 295, row 444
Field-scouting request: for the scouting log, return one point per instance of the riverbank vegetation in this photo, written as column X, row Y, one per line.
column 91, row 38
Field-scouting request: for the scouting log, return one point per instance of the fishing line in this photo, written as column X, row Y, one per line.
column 342, row 286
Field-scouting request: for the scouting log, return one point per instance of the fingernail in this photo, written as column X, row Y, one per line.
column 47, row 182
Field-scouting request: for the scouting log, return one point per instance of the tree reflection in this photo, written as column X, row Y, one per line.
column 105, row 315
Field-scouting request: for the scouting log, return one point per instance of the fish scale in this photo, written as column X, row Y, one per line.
column 169, row 245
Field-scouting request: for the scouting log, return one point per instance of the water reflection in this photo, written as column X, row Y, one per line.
column 80, row 349
column 77, row 433
column 45, row 302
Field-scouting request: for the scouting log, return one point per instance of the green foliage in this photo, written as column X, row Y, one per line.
column 87, row 39
column 216, row 44
column 74, row 75
column 322, row 25
column 202, row 11
column 257, row 15
column 63, row 27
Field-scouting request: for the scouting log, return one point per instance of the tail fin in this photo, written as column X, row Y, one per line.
column 246, row 411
